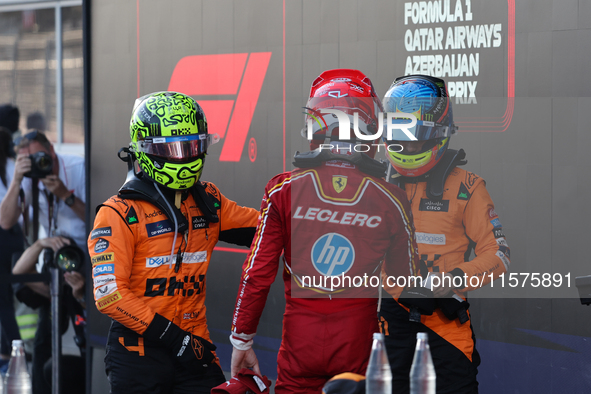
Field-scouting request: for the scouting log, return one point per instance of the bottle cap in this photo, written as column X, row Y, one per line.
column 378, row 335
column 422, row 335
column 17, row 342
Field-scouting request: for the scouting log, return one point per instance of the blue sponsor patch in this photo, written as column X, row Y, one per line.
column 153, row 262
column 102, row 269
column 158, row 228
column 333, row 254
column 506, row 251
column 100, row 232
column 496, row 223
column 101, row 245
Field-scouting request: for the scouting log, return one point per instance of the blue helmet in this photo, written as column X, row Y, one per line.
column 428, row 100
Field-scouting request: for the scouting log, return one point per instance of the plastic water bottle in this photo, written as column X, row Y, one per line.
column 422, row 372
column 17, row 380
column 378, row 379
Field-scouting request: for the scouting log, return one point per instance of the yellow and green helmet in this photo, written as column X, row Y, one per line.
column 169, row 138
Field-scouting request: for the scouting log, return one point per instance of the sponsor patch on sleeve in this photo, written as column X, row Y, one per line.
column 102, row 258
column 105, row 290
column 101, row 245
column 103, row 279
column 498, row 232
column 101, row 232
column 103, row 269
column 491, row 213
column 503, row 258
column 496, row 223
column 463, row 193
column 502, row 242
column 108, row 300
column 506, row 251
column 131, row 216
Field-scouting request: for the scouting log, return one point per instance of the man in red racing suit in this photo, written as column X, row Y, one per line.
column 323, row 334
column 333, row 222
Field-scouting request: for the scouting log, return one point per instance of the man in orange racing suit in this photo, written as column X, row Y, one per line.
column 453, row 215
column 334, row 218
column 151, row 246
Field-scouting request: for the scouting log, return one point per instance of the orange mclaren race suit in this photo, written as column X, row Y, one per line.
column 448, row 228
column 332, row 222
column 135, row 277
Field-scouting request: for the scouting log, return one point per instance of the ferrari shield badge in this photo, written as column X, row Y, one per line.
column 339, row 183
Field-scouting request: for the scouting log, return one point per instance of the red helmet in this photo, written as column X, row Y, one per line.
column 348, row 91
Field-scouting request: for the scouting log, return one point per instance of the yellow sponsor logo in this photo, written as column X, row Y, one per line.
column 108, row 300
column 339, row 183
column 102, row 258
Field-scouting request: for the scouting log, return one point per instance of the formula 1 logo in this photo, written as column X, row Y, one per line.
column 234, row 74
column 333, row 254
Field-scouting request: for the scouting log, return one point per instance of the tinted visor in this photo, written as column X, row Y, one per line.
column 180, row 148
column 422, row 131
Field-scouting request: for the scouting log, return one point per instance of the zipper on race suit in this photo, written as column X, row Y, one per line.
column 179, row 254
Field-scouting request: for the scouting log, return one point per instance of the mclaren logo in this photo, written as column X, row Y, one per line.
column 339, row 183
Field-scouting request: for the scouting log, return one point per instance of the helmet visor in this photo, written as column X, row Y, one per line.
column 326, row 115
column 179, row 148
column 422, row 131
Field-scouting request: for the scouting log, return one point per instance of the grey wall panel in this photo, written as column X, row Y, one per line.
column 584, row 14
column 113, row 88
column 385, row 69
column 570, row 183
column 385, row 17
column 254, row 24
column 566, row 74
column 311, row 23
column 583, row 60
column 330, row 21
column 348, row 21
column 217, row 26
column 360, row 55
column 534, row 15
column 538, row 48
column 294, row 20
column 565, row 14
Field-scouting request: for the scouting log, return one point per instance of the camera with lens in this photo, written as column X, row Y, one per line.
column 68, row 258
column 41, row 165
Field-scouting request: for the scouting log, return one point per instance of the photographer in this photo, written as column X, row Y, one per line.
column 61, row 190
column 72, row 307
column 11, row 241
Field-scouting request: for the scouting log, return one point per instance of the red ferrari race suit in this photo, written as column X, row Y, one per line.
column 332, row 222
column 447, row 231
column 135, row 277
